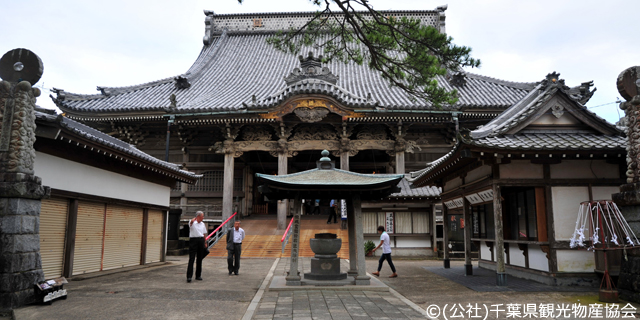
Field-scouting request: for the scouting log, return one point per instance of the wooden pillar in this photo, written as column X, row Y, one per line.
column 283, row 205
column 145, row 230
column 466, row 213
column 501, row 276
column 434, row 229
column 344, row 161
column 353, row 250
column 400, row 162
column 165, row 232
column 293, row 276
column 227, row 190
column 445, row 237
column 361, row 278
column 70, row 241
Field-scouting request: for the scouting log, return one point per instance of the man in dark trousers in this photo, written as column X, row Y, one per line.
column 197, row 232
column 235, row 236
column 385, row 243
column 333, row 208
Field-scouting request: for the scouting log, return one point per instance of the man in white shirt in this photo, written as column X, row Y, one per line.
column 385, row 242
column 197, row 232
column 235, row 236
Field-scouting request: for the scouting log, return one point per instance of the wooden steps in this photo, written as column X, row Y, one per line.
column 262, row 240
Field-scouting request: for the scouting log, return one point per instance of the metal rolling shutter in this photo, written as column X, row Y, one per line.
column 123, row 237
column 88, row 251
column 154, row 236
column 53, row 228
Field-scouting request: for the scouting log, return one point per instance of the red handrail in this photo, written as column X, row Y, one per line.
column 220, row 226
column 286, row 231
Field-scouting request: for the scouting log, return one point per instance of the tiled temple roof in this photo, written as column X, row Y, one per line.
column 423, row 192
column 507, row 131
column 240, row 72
column 115, row 145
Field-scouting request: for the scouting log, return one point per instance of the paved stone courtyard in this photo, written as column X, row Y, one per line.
column 161, row 292
column 331, row 304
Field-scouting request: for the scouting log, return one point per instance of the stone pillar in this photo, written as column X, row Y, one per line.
column 353, row 249
column 20, row 196
column 501, row 275
column 400, row 162
column 344, row 161
column 283, row 205
column 466, row 213
column 293, row 276
column 628, row 200
column 227, row 191
column 445, row 237
column 361, row 278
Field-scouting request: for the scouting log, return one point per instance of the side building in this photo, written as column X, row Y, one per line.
column 515, row 184
column 109, row 201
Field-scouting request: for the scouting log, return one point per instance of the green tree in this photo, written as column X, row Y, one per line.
column 408, row 54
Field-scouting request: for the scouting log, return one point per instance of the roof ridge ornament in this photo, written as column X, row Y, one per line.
column 181, row 82
column 311, row 68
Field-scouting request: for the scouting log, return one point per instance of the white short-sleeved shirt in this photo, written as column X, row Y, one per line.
column 386, row 242
column 197, row 230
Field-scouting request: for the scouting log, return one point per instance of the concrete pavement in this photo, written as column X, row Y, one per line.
column 161, row 292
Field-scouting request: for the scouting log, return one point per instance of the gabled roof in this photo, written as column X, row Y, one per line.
column 74, row 131
column 512, row 130
column 237, row 71
column 407, row 192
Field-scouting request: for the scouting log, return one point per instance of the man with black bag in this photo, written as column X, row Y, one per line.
column 235, row 236
column 197, row 246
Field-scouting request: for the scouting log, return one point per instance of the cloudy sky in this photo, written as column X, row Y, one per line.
column 84, row 44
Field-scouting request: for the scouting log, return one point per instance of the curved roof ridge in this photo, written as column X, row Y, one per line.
column 205, row 60
column 307, row 86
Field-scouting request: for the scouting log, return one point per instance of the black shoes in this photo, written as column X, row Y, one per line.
column 199, row 278
column 230, row 272
column 188, row 279
column 235, row 273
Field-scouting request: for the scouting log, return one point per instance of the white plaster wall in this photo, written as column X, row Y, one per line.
column 603, row 193
column 521, row 169
column 452, row 184
column 549, row 119
column 478, row 173
column 584, row 169
column 516, row 256
column 575, row 261
column 566, row 202
column 412, row 242
column 538, row 259
column 72, row 176
column 485, row 252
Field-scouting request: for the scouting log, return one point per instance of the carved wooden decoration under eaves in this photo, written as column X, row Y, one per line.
column 315, row 132
column 256, row 133
column 310, row 104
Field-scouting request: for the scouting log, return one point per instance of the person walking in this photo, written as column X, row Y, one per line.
column 332, row 211
column 385, row 242
column 316, row 206
column 235, row 236
column 197, row 232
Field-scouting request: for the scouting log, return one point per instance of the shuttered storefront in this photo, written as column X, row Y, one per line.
column 154, row 236
column 53, row 228
column 123, row 237
column 88, row 250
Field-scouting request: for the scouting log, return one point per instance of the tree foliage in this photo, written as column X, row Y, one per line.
column 407, row 53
